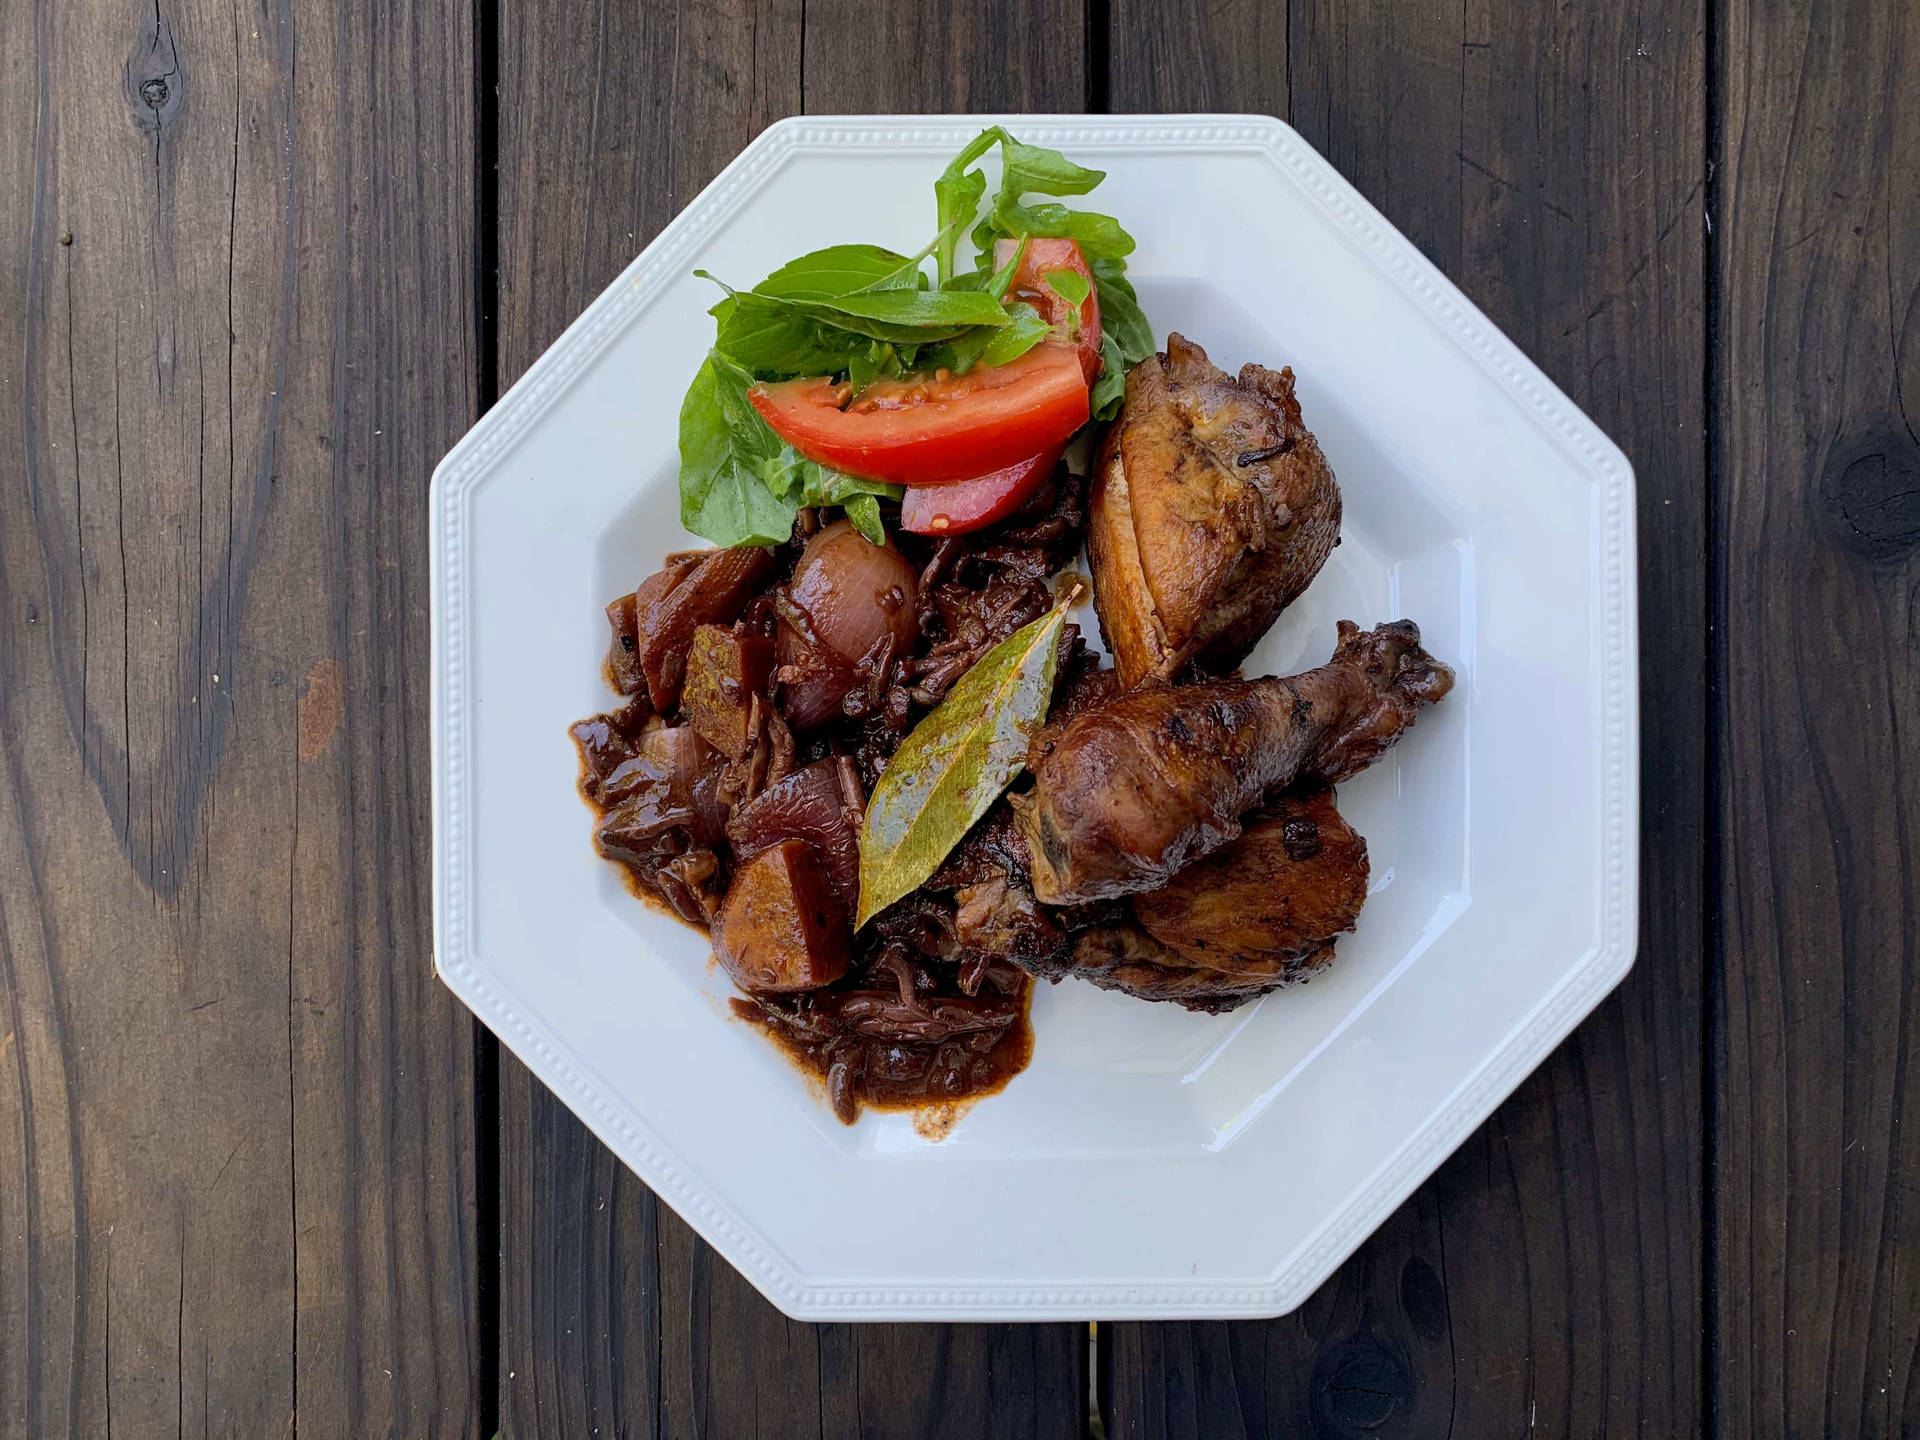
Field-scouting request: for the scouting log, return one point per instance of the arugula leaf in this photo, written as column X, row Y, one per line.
column 957, row 195
column 841, row 270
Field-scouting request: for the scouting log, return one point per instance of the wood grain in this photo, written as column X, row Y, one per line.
column 235, row 1109
column 613, row 1314
column 1817, row 598
column 1547, row 1280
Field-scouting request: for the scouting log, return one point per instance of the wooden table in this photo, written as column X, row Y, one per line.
column 261, row 1176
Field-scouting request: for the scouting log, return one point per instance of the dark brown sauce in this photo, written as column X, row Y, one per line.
column 910, row 1077
column 987, row 1071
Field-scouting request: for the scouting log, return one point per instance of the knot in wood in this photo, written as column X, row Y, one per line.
column 1871, row 496
column 1359, row 1386
column 156, row 83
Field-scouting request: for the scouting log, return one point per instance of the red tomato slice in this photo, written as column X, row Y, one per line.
column 933, row 429
column 970, row 504
column 1044, row 256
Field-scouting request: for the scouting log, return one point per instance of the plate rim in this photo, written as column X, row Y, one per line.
column 669, row 1173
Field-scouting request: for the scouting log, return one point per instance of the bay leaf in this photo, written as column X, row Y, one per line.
column 955, row 763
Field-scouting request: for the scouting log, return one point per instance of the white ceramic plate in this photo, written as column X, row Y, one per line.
column 1150, row 1162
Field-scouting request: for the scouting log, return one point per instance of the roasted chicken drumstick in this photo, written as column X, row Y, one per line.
column 1135, row 790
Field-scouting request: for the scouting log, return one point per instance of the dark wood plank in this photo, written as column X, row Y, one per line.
column 613, row 1315
column 1816, row 473
column 1548, row 1279
column 236, row 1169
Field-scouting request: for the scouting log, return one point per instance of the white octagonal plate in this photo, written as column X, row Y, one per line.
column 1149, row 1162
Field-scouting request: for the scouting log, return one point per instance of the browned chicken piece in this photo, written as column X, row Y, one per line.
column 1213, row 508
column 1295, row 879
column 1137, row 789
column 1259, row 913
column 1122, row 956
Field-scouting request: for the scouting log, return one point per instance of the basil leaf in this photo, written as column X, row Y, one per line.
column 722, row 499
column 922, row 308
column 775, row 340
column 840, row 270
column 868, row 364
column 1024, row 330
column 741, row 484
column 1095, row 234
column 864, row 513
column 1121, row 318
column 1070, row 285
column 955, row 763
column 1110, row 387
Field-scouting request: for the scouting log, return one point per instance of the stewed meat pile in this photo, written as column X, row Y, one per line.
column 1174, row 836
column 764, row 691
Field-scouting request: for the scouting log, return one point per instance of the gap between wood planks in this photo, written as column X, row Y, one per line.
column 486, row 1046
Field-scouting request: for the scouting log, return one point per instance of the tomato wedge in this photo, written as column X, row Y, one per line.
column 932, row 429
column 970, row 504
column 1045, row 257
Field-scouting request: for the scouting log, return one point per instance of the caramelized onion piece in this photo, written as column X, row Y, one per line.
column 714, row 591
column 623, row 649
column 854, row 591
column 814, row 681
column 811, row 805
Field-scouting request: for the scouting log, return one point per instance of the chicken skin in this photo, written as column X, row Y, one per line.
column 1135, row 790
column 1212, row 509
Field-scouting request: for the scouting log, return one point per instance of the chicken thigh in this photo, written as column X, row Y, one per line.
column 1213, row 508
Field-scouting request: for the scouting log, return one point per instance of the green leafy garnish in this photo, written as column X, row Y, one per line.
column 842, row 270
column 860, row 313
column 1070, row 285
column 955, row 763
column 740, row 484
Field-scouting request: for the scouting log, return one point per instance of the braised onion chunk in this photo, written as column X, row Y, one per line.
column 1213, row 509
column 850, row 602
column 854, row 592
column 623, row 648
column 714, row 590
